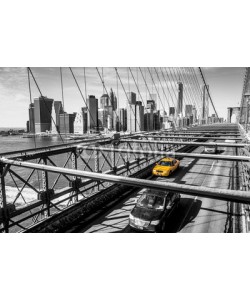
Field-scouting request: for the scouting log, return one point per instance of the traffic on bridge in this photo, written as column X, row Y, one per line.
column 151, row 155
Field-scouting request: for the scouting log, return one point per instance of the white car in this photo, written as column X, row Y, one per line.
column 210, row 149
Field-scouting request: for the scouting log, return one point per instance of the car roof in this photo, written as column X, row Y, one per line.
column 156, row 192
column 167, row 159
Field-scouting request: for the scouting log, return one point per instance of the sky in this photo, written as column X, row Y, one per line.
column 225, row 86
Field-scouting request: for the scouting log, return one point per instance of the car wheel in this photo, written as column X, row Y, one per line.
column 177, row 204
column 163, row 226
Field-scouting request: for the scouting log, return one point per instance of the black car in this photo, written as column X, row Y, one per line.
column 152, row 209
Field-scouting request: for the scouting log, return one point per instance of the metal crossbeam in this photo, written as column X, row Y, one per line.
column 192, row 137
column 171, row 154
column 219, row 194
column 186, row 143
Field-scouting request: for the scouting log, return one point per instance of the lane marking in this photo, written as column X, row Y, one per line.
column 212, row 166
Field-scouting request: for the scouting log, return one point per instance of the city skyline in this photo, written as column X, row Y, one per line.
column 225, row 88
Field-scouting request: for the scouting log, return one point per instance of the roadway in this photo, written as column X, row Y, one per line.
column 195, row 214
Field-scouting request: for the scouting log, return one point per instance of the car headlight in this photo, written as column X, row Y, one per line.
column 155, row 222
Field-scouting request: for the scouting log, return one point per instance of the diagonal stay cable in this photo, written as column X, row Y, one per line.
column 127, row 98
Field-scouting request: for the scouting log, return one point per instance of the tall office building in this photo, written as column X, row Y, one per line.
column 149, row 120
column 43, row 109
column 188, row 110
column 92, row 104
column 172, row 111
column 85, row 119
column 131, row 117
column 58, row 110
column 66, row 123
column 102, row 118
column 131, row 97
column 78, row 124
column 104, row 101
column 31, row 118
column 123, row 119
column 28, row 126
column 180, row 99
column 205, row 104
column 194, row 113
column 151, row 104
column 113, row 99
column 54, row 128
column 135, row 117
column 157, row 123
column 139, row 125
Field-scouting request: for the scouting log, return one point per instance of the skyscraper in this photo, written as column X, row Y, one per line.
column 123, row 119
column 131, row 117
column 205, row 104
column 149, row 120
column 102, row 118
column 31, row 118
column 188, row 110
column 42, row 112
column 139, row 125
column 151, row 104
column 104, row 101
column 58, row 110
column 92, row 104
column 131, row 97
column 172, row 111
column 180, row 99
column 67, row 122
column 85, row 119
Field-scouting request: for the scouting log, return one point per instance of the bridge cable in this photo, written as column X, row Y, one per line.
column 105, row 89
column 208, row 91
column 170, row 93
column 81, row 94
column 136, row 84
column 38, row 177
column 45, row 103
column 127, row 98
column 196, row 92
column 164, row 92
column 61, row 78
column 199, row 90
column 191, row 87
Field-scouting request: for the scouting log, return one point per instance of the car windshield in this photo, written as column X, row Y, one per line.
column 165, row 163
column 151, row 202
column 210, row 147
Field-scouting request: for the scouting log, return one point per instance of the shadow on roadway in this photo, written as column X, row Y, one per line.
column 184, row 214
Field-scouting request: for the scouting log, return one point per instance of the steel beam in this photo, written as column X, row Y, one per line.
column 219, row 194
column 186, row 143
column 192, row 137
column 166, row 153
column 201, row 132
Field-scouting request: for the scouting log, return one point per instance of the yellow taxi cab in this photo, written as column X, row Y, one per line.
column 166, row 166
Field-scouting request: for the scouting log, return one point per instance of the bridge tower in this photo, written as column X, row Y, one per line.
column 245, row 100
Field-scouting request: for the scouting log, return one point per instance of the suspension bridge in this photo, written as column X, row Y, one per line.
column 91, row 181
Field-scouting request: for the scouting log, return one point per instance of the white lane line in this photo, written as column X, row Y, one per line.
column 212, row 166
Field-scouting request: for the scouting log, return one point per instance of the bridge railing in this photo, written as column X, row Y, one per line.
column 28, row 197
